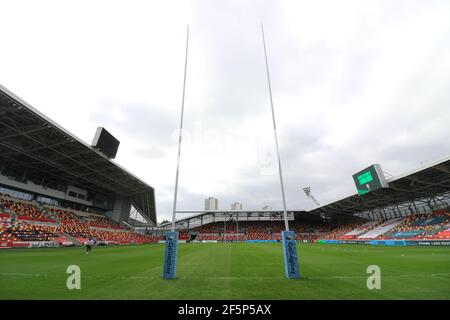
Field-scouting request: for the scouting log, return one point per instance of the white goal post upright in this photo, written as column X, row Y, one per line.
column 171, row 241
column 286, row 223
column 288, row 237
column 180, row 133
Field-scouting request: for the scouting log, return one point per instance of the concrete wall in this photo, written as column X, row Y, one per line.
column 121, row 210
column 32, row 188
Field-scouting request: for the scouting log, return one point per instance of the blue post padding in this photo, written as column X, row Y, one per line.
column 170, row 256
column 291, row 267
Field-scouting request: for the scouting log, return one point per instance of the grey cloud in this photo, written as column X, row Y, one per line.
column 151, row 126
column 235, row 92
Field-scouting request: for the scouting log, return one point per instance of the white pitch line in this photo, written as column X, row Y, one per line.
column 20, row 274
column 230, row 278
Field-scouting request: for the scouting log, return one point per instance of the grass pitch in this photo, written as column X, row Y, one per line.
column 227, row 271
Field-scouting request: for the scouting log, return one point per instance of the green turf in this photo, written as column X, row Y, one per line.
column 227, row 271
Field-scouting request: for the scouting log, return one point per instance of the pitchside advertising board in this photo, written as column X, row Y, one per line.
column 370, row 179
column 390, row 242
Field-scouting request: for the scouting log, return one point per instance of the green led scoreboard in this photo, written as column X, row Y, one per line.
column 370, row 179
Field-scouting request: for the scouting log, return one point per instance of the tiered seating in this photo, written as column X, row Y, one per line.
column 310, row 237
column 3, row 214
column 339, row 232
column 208, row 236
column 104, row 222
column 25, row 211
column 443, row 235
column 223, row 237
column 5, row 223
column 21, row 231
column 255, row 230
column 122, row 237
column 416, row 226
column 233, row 237
column 260, row 231
column 72, row 225
column 99, row 228
column 381, row 229
column 360, row 230
column 183, row 235
column 407, row 234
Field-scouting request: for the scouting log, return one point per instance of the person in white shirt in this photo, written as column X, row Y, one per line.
column 89, row 245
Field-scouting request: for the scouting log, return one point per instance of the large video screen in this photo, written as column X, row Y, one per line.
column 370, row 179
column 105, row 143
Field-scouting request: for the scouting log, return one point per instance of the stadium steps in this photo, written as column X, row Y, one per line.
column 74, row 240
column 382, row 229
column 390, row 233
column 438, row 229
column 40, row 206
column 12, row 214
column 51, row 214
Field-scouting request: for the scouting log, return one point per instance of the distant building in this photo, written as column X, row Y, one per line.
column 211, row 204
column 267, row 208
column 236, row 206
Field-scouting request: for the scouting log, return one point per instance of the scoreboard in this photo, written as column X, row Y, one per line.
column 370, row 179
column 105, row 143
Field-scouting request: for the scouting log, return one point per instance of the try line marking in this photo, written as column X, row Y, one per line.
column 20, row 274
column 12, row 274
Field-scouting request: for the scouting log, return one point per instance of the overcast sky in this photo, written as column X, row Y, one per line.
column 354, row 83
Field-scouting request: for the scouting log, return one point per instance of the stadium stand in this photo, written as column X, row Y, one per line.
column 421, row 225
column 5, row 223
column 255, row 230
column 24, row 221
column 60, row 225
column 25, row 232
column 103, row 222
column 360, row 230
column 340, row 232
column 433, row 225
column 122, row 237
column 444, row 234
column 24, row 210
column 183, row 235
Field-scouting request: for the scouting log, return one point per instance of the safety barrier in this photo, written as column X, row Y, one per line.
column 5, row 244
column 34, row 244
column 36, row 219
